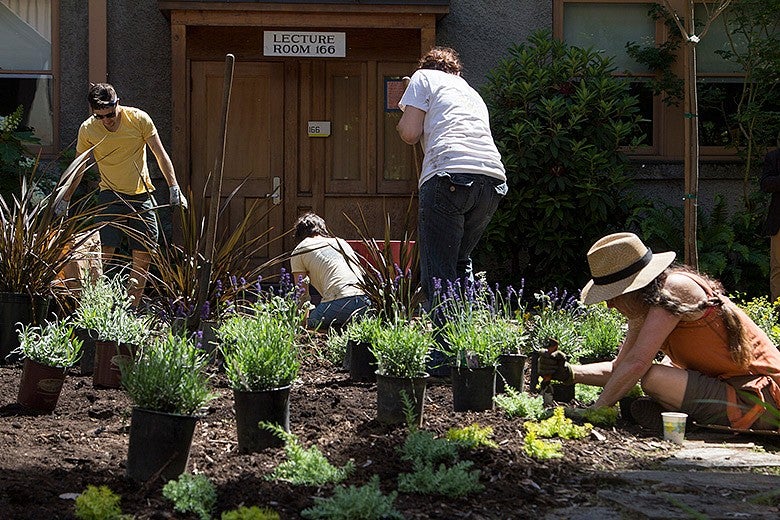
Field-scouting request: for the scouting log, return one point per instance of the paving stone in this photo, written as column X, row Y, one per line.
column 686, row 505
column 703, row 481
column 724, row 455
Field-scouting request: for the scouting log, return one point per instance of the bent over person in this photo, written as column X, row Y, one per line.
column 719, row 367
column 120, row 135
column 331, row 266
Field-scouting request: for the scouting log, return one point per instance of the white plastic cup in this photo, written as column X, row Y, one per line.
column 674, row 426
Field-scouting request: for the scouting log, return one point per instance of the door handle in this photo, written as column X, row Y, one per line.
column 276, row 195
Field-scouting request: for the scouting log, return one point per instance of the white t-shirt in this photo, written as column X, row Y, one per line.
column 329, row 271
column 456, row 133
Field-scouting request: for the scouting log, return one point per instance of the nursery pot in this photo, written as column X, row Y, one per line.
column 108, row 357
column 510, row 372
column 362, row 363
column 625, row 408
column 159, row 444
column 389, row 401
column 40, row 386
column 18, row 308
column 272, row 406
column 87, row 363
column 473, row 388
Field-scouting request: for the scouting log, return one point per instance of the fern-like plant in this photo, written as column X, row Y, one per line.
column 456, row 481
column 365, row 502
column 192, row 494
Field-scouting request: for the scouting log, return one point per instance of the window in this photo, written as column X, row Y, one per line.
column 608, row 25
column 27, row 64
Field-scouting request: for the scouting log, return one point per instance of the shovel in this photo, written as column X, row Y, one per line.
column 545, row 387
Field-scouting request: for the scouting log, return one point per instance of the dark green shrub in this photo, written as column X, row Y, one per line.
column 559, row 118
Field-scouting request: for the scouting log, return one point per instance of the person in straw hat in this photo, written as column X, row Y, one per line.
column 719, row 367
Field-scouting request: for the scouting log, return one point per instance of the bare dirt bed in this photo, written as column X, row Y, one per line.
column 85, row 442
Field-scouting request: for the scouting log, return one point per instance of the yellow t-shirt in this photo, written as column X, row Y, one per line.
column 120, row 155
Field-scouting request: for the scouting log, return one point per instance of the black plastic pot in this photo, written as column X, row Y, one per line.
column 87, row 363
column 159, row 444
column 510, row 372
column 362, row 363
column 473, row 389
column 18, row 308
column 271, row 406
column 390, row 407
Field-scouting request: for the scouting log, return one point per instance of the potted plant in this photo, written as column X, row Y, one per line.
column 167, row 384
column 401, row 351
column 95, row 301
column 260, row 358
column 602, row 330
column 512, row 340
column 35, row 247
column 361, row 334
column 48, row 351
column 472, row 344
column 561, row 324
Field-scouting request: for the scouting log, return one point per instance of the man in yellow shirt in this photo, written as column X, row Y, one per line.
column 119, row 136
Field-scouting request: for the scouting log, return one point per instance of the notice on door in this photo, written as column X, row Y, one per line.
column 305, row 44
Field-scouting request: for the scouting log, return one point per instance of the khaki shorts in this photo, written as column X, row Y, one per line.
column 705, row 401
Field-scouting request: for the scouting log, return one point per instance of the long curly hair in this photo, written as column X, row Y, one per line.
column 310, row 224
column 444, row 59
column 738, row 343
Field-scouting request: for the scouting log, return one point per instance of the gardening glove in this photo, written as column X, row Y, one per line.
column 554, row 364
column 61, row 208
column 177, row 197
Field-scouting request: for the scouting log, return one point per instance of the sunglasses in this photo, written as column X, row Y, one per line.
column 110, row 115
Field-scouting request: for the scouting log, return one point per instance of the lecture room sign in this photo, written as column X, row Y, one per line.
column 304, row 44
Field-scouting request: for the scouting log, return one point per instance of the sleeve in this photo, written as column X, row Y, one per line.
column 82, row 142
column 417, row 94
column 296, row 261
column 770, row 176
column 146, row 125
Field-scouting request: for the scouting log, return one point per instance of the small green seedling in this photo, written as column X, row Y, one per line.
column 520, row 404
column 250, row 513
column 558, row 426
column 98, row 503
column 364, row 502
column 192, row 494
column 540, row 449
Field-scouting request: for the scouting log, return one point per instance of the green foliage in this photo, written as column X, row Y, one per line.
column 422, row 448
column 453, row 482
column 355, row 503
column 726, row 242
column 15, row 160
column 401, row 348
column 559, row 118
column 764, row 314
column 472, row 341
column 35, row 245
column 106, row 310
column 192, row 494
column 259, row 351
column 250, row 513
column 98, row 503
column 307, row 467
column 558, row 426
column 520, row 404
column 602, row 330
column 54, row 344
column 472, row 436
column 540, row 449
column 661, row 58
column 365, row 329
column 606, row 416
column 558, row 322
column 168, row 375
column 586, row 394
column 336, row 345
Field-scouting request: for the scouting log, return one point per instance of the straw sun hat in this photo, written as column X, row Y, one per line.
column 621, row 263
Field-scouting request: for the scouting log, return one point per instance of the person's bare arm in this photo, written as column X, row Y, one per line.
column 163, row 160
column 410, row 127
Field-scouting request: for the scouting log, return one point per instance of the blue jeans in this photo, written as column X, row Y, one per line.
column 454, row 210
column 337, row 313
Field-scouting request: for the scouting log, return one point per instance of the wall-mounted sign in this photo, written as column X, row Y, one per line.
column 319, row 128
column 305, row 44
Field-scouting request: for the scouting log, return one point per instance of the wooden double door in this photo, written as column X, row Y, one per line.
column 360, row 169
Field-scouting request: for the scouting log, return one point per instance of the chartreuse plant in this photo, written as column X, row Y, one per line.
column 472, row 436
column 520, row 404
column 99, row 503
column 560, row 118
column 307, row 467
column 606, row 416
column 250, row 513
column 558, row 426
column 192, row 494
column 365, row 502
column 540, row 449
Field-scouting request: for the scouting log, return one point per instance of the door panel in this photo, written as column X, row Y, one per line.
column 254, row 143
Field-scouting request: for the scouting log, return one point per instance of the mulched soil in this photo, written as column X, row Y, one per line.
column 85, row 442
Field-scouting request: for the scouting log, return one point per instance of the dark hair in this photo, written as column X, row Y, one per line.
column 738, row 342
column 310, row 224
column 101, row 95
column 444, row 59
